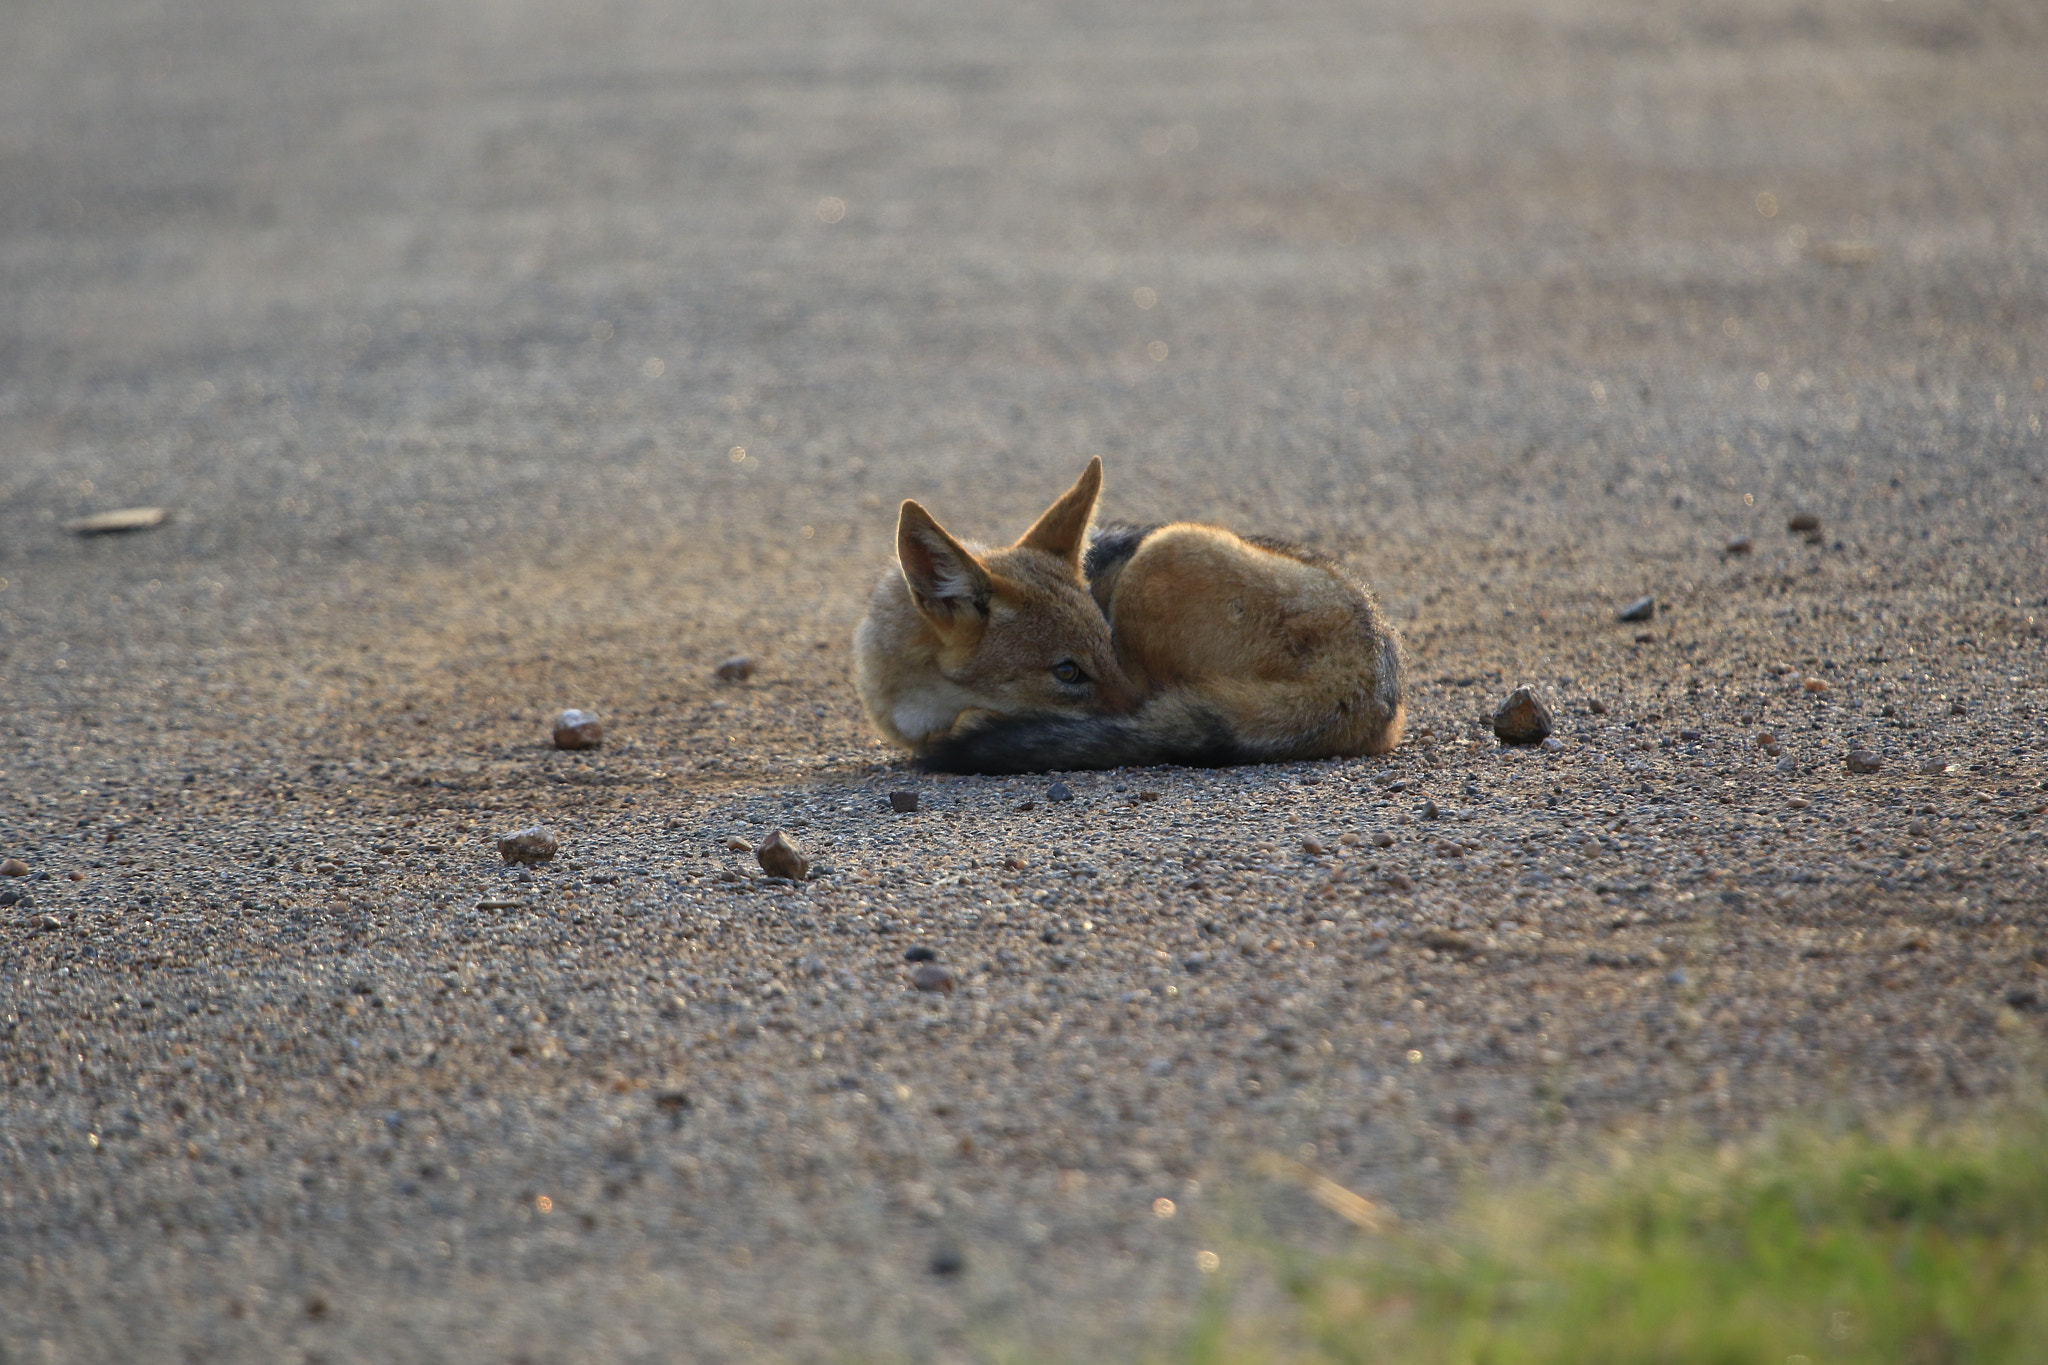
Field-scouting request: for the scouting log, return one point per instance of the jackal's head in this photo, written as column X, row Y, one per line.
column 1018, row 631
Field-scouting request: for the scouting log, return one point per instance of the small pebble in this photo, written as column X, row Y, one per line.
column 1766, row 738
column 737, row 669
column 1676, row 976
column 1148, row 795
column 1059, row 791
column 930, row 976
column 1648, row 637
column 1597, row 707
column 1642, row 609
column 1959, row 708
column 13, row 867
column 1740, row 545
column 1313, row 848
column 1864, row 761
column 1383, row 840
column 1689, row 736
column 48, row 922
column 1430, row 810
column 1805, row 523
column 1552, row 745
column 1916, row 827
column 117, row 523
column 578, row 730
column 1816, row 685
column 903, row 803
column 1933, row 767
column 535, row 844
column 782, row 856
column 948, row 1261
column 1787, row 764
column 735, row 844
column 918, row 952
column 1522, row 718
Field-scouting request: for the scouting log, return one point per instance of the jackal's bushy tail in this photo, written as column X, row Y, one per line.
column 1168, row 729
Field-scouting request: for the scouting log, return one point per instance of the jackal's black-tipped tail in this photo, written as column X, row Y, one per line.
column 1167, row 730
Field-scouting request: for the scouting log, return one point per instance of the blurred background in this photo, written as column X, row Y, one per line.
column 397, row 283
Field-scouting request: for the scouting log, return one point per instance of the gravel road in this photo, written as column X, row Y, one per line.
column 497, row 358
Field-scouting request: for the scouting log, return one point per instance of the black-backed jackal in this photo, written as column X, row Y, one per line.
column 1122, row 646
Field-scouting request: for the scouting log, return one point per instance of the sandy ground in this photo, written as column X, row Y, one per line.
column 502, row 357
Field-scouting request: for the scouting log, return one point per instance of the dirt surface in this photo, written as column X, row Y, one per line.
column 498, row 358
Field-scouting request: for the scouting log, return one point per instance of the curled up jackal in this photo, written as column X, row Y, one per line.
column 1102, row 647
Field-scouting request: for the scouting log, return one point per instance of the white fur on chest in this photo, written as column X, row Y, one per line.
column 929, row 713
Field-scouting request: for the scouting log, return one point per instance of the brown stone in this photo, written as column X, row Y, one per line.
column 1448, row 941
column 13, row 867
column 737, row 669
column 535, row 844
column 1863, row 761
column 578, row 730
column 903, row 803
column 931, row 976
column 782, row 856
column 1522, row 718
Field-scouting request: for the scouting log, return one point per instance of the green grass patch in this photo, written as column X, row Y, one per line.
column 1913, row 1249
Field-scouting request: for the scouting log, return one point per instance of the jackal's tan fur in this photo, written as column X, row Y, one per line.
column 1180, row 644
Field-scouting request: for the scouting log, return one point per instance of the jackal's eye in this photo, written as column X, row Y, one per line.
column 1067, row 671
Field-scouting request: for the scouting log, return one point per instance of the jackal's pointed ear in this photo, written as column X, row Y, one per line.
column 1063, row 529
column 948, row 583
